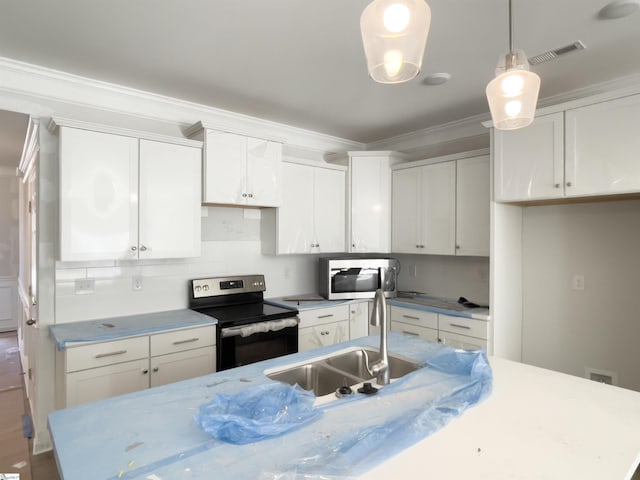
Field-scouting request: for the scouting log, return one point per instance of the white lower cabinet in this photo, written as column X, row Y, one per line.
column 358, row 320
column 322, row 327
column 90, row 372
column 458, row 332
column 414, row 322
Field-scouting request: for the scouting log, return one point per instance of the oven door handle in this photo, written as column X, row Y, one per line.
column 260, row 327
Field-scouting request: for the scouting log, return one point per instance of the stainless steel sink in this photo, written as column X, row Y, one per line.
column 325, row 375
column 355, row 363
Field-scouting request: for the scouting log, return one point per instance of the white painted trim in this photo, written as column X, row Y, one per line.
column 444, row 158
column 30, row 148
column 56, row 122
column 311, row 163
column 48, row 86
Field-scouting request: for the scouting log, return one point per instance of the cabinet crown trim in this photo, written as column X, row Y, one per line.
column 56, row 122
column 201, row 126
column 442, row 159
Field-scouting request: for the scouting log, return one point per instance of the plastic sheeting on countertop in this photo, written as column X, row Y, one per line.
column 259, row 327
column 131, row 325
column 151, row 434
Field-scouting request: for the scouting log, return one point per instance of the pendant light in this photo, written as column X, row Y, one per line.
column 394, row 35
column 513, row 94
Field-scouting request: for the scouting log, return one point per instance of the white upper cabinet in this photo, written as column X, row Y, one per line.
column 370, row 202
column 240, row 170
column 529, row 162
column 122, row 197
column 169, row 197
column 98, row 195
column 581, row 152
column 602, row 145
column 472, row 206
column 424, row 209
column 312, row 216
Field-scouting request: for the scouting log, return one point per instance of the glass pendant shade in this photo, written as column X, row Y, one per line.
column 394, row 35
column 513, row 94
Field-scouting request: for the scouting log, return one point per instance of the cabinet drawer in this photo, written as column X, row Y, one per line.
column 462, row 325
column 464, row 342
column 415, row 330
column 106, row 353
column 419, row 318
column 181, row 340
column 320, row 316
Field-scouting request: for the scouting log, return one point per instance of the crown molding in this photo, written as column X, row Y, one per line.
column 51, row 87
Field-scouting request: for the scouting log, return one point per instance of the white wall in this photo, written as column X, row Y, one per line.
column 230, row 246
column 9, row 251
column 446, row 276
column 569, row 330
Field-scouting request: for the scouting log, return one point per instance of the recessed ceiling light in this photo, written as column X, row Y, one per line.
column 618, row 9
column 436, row 78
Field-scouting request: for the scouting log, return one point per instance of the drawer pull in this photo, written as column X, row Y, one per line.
column 110, row 354
column 410, row 333
column 459, row 326
column 326, row 316
column 189, row 340
column 410, row 317
column 155, row 369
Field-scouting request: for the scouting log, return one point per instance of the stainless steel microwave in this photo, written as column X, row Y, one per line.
column 348, row 278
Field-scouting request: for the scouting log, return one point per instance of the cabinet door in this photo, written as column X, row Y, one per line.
column 224, row 168
column 529, row 162
column 464, row 342
column 405, row 218
column 329, row 210
column 472, row 206
column 178, row 366
column 264, row 173
column 438, row 208
column 104, row 382
column 98, row 196
column 294, row 221
column 370, row 194
column 169, row 200
column 602, row 148
column 322, row 335
column 414, row 330
column 358, row 320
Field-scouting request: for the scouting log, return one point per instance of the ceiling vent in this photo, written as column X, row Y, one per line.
column 553, row 54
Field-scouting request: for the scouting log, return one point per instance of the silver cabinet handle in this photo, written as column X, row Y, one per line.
column 145, row 371
column 30, row 322
column 459, row 326
column 134, row 248
column 189, row 340
column 110, row 354
column 557, row 185
column 251, row 195
column 569, row 184
column 244, row 195
column 458, row 247
column 155, row 369
column 326, row 316
column 410, row 317
column 143, row 248
column 414, row 334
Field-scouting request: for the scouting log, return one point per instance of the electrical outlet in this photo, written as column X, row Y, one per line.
column 84, row 286
column 578, row 282
column 601, row 376
column 136, row 283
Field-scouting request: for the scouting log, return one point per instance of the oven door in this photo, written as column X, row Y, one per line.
column 242, row 345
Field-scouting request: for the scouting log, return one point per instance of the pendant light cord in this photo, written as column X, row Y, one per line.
column 510, row 29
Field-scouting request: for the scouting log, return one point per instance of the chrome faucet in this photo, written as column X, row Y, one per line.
column 380, row 369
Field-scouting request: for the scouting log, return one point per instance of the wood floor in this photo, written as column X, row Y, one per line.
column 15, row 449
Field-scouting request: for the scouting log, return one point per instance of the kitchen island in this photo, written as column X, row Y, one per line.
column 536, row 424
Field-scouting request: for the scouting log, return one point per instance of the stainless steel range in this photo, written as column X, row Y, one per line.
column 249, row 329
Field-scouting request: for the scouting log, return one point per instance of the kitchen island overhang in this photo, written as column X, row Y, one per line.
column 152, row 433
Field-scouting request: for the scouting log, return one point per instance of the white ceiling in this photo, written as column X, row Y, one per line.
column 301, row 62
